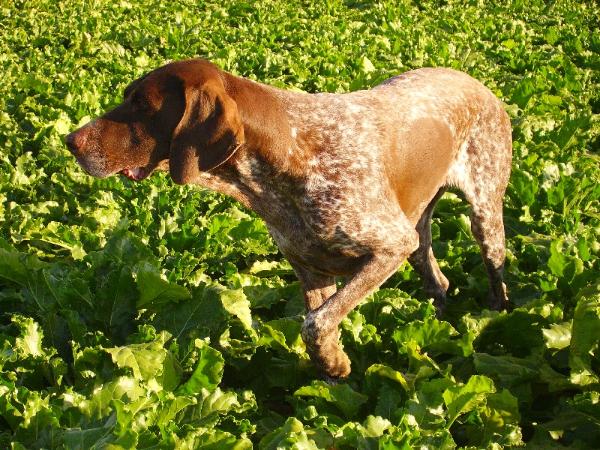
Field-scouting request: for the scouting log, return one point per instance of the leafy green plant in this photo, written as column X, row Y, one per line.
column 152, row 315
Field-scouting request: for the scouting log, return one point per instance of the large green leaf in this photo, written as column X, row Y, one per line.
column 462, row 399
column 144, row 360
column 290, row 435
column 341, row 395
column 584, row 340
column 208, row 371
column 155, row 290
column 236, row 304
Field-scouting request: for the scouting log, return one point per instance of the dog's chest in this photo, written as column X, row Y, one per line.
column 328, row 219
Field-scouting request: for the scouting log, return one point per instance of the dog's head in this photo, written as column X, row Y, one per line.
column 180, row 113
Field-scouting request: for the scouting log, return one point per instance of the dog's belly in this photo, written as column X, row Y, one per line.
column 336, row 242
column 335, row 258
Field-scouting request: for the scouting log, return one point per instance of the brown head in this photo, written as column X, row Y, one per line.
column 180, row 113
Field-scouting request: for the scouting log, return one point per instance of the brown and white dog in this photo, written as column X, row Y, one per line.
column 345, row 182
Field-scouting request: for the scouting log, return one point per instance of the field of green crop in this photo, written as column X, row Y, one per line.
column 149, row 315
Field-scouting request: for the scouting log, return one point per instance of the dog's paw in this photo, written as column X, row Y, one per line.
column 322, row 344
column 333, row 361
column 498, row 299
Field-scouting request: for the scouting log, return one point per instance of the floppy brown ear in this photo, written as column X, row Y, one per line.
column 209, row 133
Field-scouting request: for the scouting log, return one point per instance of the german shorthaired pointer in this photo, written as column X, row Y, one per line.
column 345, row 182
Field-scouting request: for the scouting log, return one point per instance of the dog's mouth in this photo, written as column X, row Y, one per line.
column 137, row 173
column 141, row 173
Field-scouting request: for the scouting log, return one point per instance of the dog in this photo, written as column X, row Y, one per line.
column 346, row 183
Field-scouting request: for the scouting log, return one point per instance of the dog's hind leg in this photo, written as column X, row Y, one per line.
column 488, row 229
column 423, row 259
column 482, row 171
column 317, row 288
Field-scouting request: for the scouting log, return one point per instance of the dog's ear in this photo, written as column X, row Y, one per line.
column 208, row 134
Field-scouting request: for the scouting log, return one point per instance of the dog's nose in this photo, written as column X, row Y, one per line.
column 76, row 140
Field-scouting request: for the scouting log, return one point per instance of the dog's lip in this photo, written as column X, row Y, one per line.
column 142, row 172
column 136, row 173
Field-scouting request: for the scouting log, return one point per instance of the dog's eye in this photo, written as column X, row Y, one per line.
column 139, row 102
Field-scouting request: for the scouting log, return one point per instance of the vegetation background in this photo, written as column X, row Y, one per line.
column 151, row 315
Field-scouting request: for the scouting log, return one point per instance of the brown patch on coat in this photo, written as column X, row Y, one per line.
column 426, row 147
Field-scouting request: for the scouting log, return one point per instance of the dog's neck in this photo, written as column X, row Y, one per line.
column 270, row 155
column 268, row 132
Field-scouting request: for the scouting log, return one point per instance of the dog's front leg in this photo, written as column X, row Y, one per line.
column 320, row 328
